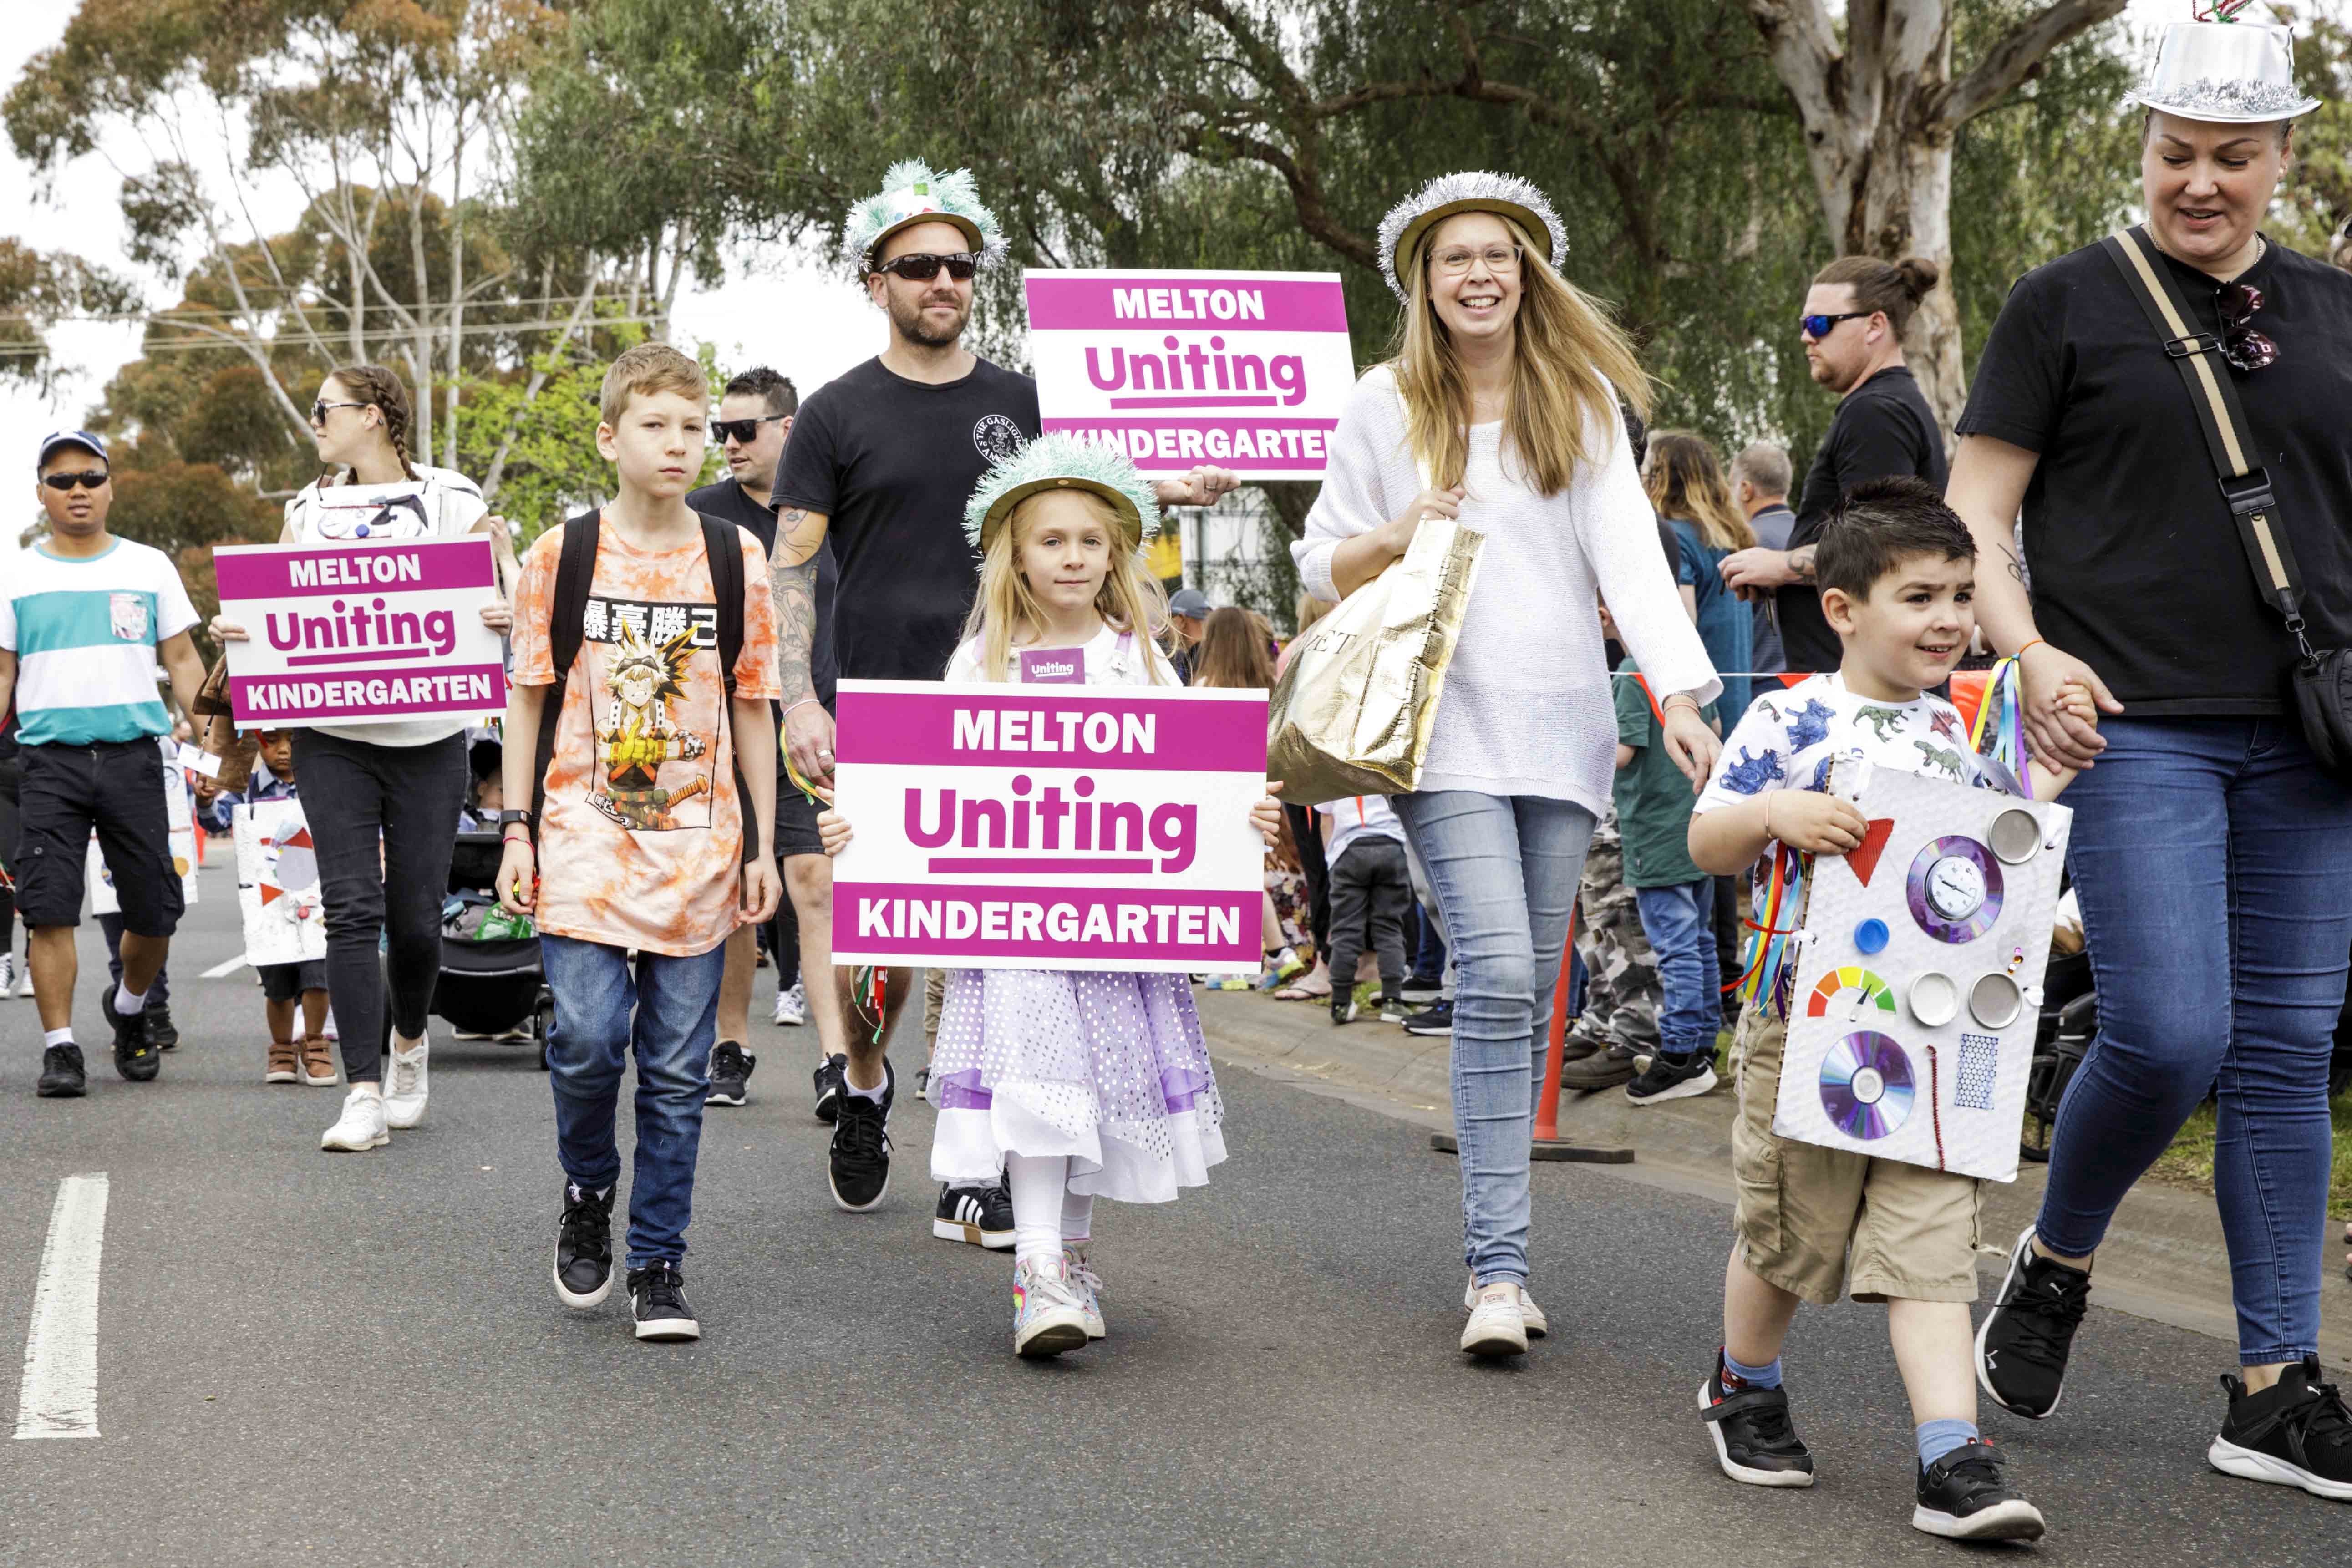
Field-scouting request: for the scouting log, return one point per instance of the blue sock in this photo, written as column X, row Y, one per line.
column 1937, row 1438
column 1746, row 1376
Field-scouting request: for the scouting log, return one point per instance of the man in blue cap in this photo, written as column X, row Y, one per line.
column 1188, row 614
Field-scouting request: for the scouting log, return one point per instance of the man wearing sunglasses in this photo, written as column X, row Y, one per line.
column 84, row 620
column 880, row 465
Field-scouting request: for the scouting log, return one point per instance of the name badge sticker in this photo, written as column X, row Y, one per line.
column 1054, row 666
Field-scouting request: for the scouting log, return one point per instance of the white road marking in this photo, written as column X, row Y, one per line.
column 59, row 1395
column 231, row 967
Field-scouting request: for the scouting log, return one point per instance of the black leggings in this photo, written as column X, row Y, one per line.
column 355, row 796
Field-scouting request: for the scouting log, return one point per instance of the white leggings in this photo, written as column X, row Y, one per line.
column 1045, row 1213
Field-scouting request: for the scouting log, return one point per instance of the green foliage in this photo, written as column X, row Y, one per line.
column 38, row 287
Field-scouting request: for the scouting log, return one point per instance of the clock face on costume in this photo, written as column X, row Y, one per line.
column 1956, row 888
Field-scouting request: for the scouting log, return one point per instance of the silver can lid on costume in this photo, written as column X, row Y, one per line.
column 2226, row 73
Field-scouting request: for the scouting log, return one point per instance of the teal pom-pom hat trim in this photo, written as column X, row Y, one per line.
column 913, row 192
column 1059, row 461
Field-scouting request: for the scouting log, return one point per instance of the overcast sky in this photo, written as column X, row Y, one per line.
column 810, row 326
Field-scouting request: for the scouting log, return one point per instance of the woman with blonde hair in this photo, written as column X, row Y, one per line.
column 1500, row 408
column 1686, row 484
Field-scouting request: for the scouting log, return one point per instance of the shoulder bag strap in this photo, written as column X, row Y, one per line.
column 722, row 545
column 567, row 616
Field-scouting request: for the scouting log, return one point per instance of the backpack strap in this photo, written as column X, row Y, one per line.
column 722, row 545
column 576, row 575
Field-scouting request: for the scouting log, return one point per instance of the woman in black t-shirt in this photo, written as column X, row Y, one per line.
column 2213, row 856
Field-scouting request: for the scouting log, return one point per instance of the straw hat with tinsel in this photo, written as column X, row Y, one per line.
column 1060, row 461
column 913, row 192
column 1471, row 191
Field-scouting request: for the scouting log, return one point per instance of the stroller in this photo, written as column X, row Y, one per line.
column 489, row 987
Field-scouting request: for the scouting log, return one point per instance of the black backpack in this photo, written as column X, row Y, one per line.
column 576, row 575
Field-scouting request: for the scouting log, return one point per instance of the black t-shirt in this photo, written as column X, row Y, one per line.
column 891, row 463
column 1884, row 426
column 2134, row 556
column 728, row 502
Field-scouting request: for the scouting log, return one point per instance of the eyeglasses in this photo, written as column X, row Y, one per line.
column 744, row 430
column 2243, row 347
column 88, row 480
column 1455, row 259
column 319, row 410
column 1819, row 327
column 922, row 267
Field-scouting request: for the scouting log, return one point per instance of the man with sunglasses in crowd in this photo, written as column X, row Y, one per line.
column 880, row 464
column 84, row 621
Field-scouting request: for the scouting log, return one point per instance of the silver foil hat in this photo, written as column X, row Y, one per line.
column 1471, row 191
column 2226, row 73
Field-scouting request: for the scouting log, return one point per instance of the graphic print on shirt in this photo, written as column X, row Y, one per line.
column 1810, row 725
column 126, row 613
column 646, row 766
column 1750, row 774
column 997, row 436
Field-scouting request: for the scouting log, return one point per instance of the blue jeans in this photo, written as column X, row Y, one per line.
column 665, row 1012
column 1679, row 920
column 1504, row 868
column 2213, row 861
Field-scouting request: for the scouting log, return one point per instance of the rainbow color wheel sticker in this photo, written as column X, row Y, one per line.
column 1853, row 988
column 1866, row 1086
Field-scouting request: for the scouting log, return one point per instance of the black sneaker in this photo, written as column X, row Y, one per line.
column 1602, row 1070
column 1754, row 1442
column 1665, row 1079
column 1343, row 1008
column 2022, row 1346
column 2296, row 1432
column 1437, row 1020
column 831, row 1082
column 731, row 1071
column 135, row 1056
column 1964, row 1497
column 584, row 1247
column 62, row 1073
column 860, row 1160
column 1419, row 993
column 981, row 1215
column 159, row 1027
column 657, row 1302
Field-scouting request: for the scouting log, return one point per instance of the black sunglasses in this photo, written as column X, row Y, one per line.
column 1818, row 327
column 922, row 267
column 744, row 430
column 2243, row 347
column 88, row 480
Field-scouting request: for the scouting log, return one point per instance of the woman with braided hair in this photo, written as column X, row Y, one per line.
column 397, row 785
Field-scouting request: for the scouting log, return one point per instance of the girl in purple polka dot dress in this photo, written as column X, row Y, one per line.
column 1076, row 1085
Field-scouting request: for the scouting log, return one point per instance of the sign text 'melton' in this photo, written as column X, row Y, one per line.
column 993, row 730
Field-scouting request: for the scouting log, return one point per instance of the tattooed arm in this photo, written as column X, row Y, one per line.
column 792, row 579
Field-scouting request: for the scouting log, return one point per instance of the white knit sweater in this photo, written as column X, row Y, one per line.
column 1526, row 708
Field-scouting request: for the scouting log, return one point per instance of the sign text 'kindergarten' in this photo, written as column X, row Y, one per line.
column 1049, row 827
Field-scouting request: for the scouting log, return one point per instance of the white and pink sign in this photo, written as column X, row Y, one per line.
column 361, row 634
column 1045, row 827
column 1244, row 369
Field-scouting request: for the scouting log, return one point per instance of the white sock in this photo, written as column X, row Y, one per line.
column 126, row 1002
column 1037, row 1182
column 1077, row 1216
column 58, row 1036
column 874, row 1094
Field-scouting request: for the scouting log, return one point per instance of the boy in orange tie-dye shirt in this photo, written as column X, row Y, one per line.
column 657, row 781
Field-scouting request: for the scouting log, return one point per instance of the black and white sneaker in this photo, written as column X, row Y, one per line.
column 831, row 1083
column 2022, row 1345
column 1964, row 1497
column 730, row 1073
column 135, row 1056
column 1755, row 1441
column 62, row 1073
column 583, row 1248
column 159, row 1027
column 981, row 1215
column 1665, row 1079
column 1343, row 1008
column 860, row 1159
column 657, row 1302
column 2295, row 1433
column 1392, row 1010
column 1434, row 1021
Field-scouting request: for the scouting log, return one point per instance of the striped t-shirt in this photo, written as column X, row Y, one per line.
column 84, row 630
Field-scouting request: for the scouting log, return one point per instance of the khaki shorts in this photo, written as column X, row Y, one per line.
column 1811, row 1220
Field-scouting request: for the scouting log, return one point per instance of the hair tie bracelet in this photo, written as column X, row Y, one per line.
column 2037, row 642
column 803, row 703
column 1683, row 697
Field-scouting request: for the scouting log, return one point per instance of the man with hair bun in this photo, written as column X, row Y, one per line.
column 1852, row 328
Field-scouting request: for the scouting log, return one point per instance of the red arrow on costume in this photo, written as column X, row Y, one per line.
column 1863, row 857
column 268, row 894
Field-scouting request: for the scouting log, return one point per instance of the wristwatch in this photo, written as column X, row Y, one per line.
column 508, row 819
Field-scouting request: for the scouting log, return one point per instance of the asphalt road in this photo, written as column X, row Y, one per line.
column 310, row 1358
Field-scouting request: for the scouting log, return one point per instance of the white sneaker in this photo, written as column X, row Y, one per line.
column 791, row 1006
column 1499, row 1324
column 360, row 1127
column 25, row 985
column 1538, row 1324
column 1089, row 1284
column 404, row 1087
column 1048, row 1312
column 9, row 975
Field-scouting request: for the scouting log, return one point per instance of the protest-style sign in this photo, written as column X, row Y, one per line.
column 1049, row 828
column 361, row 634
column 1247, row 371
column 277, row 884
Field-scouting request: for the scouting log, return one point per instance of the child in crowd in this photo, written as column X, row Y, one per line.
column 1897, row 570
column 283, row 986
column 1363, row 843
column 1076, row 1085
column 486, row 795
column 642, row 832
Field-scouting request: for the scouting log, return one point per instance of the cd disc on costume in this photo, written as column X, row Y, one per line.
column 1866, row 1086
column 1954, row 889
